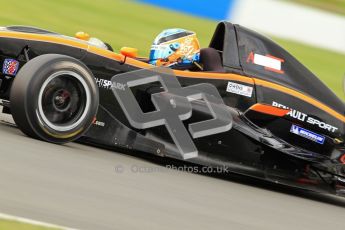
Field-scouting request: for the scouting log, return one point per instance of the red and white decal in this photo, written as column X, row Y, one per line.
column 270, row 62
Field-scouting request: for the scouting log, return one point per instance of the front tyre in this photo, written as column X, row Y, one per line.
column 54, row 98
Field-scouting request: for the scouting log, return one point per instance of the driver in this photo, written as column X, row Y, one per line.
column 176, row 48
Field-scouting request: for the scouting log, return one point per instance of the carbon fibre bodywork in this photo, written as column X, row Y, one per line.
column 209, row 118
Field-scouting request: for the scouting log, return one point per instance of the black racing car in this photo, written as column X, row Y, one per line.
column 254, row 109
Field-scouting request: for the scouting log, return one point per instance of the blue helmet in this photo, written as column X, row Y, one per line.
column 175, row 48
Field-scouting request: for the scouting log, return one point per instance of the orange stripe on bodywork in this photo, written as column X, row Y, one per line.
column 106, row 53
column 270, row 110
column 207, row 75
column 221, row 76
column 252, row 81
column 118, row 57
column 63, row 41
column 301, row 96
column 45, row 38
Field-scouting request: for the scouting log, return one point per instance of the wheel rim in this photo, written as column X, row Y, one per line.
column 64, row 101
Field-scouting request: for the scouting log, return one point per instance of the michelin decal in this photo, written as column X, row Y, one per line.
column 307, row 134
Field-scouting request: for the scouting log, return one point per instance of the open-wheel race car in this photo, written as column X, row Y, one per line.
column 253, row 109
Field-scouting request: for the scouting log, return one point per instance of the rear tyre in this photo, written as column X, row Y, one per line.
column 54, row 98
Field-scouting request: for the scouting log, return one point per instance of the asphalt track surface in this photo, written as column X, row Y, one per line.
column 88, row 188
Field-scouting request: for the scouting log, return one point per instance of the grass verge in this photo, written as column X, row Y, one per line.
column 14, row 225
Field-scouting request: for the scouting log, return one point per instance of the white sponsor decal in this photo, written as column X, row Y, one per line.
column 305, row 118
column 270, row 63
column 267, row 61
column 106, row 84
column 239, row 89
